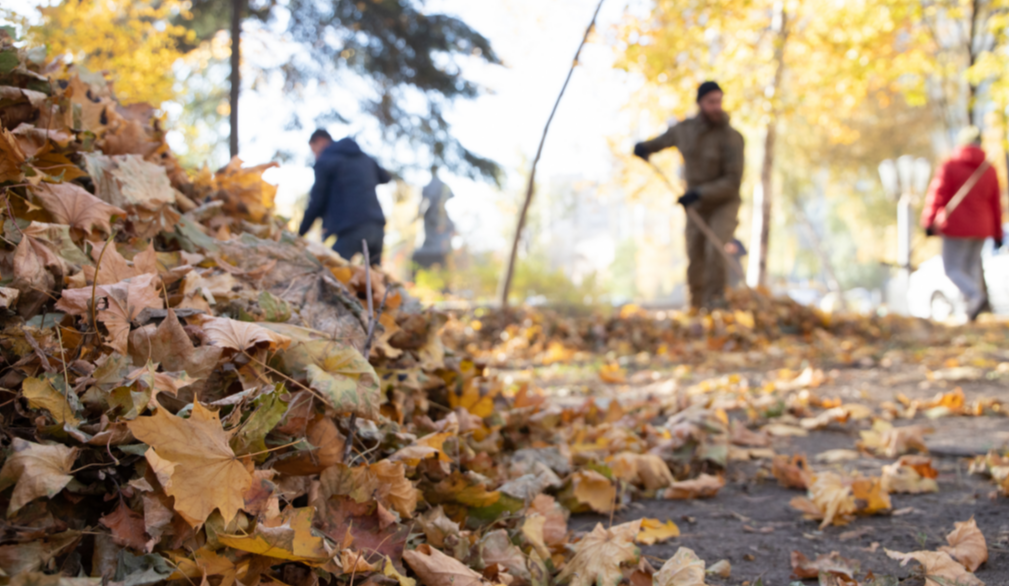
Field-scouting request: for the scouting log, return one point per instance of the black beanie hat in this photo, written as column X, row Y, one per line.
column 706, row 88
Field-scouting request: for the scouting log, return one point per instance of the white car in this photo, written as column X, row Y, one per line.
column 932, row 295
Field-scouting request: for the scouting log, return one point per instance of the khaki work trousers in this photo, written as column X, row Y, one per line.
column 706, row 270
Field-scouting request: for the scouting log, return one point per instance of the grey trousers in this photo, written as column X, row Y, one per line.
column 961, row 258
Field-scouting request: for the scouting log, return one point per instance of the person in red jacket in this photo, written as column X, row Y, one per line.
column 965, row 227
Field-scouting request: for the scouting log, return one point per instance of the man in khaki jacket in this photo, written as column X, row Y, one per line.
column 713, row 160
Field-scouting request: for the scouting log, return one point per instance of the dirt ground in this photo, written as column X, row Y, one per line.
column 750, row 523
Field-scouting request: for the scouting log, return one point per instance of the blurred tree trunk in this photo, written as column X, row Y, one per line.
column 237, row 8
column 762, row 216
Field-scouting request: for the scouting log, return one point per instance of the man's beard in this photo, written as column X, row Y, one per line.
column 716, row 118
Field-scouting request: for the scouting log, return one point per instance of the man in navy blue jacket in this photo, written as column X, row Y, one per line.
column 344, row 196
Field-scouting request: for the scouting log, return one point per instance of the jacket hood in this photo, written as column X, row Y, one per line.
column 345, row 146
column 970, row 154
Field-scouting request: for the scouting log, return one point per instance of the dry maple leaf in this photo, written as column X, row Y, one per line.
column 169, row 345
column 41, row 395
column 792, row 472
column 114, row 266
column 739, row 435
column 967, row 545
column 123, row 303
column 289, row 538
column 329, row 445
column 383, row 481
column 593, row 490
column 127, row 526
column 940, row 568
column 683, row 569
column 890, row 442
column 241, row 335
column 704, row 486
column 830, row 499
column 437, row 569
column 647, row 470
column 496, row 548
column 911, row 475
column 158, row 382
column 833, row 563
column 339, row 374
column 599, row 554
column 35, row 470
column 71, row 204
column 36, row 269
column 395, row 490
column 555, row 528
column 532, row 531
column 206, row 474
column 870, row 496
column 654, row 531
column 12, row 157
column 438, row 528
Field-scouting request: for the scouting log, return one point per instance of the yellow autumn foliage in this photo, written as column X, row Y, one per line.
column 135, row 42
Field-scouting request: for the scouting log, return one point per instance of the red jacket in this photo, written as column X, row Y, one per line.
column 979, row 215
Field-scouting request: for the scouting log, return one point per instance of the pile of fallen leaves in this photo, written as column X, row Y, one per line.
column 192, row 393
column 755, row 322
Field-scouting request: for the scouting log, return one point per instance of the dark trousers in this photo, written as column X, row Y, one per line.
column 349, row 242
column 706, row 270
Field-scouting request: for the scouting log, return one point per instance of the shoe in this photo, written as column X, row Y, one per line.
column 974, row 309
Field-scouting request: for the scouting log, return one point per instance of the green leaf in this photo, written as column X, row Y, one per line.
column 192, row 239
column 8, row 60
column 505, row 505
column 274, row 308
column 267, row 412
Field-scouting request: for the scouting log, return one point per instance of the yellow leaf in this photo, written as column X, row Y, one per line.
column 389, row 569
column 612, row 374
column 653, row 531
column 478, row 401
column 291, row 540
column 41, row 395
column 207, row 475
column 870, row 492
column 422, row 449
column 532, row 530
column 593, row 489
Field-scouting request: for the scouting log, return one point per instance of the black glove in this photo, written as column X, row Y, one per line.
column 998, row 244
column 930, row 231
column 689, row 198
column 640, row 151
